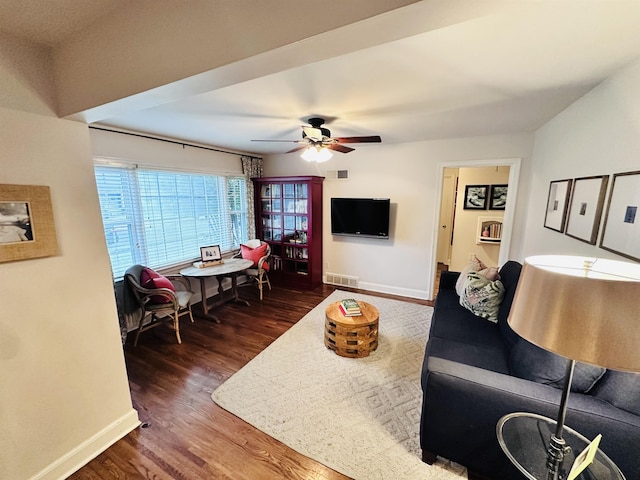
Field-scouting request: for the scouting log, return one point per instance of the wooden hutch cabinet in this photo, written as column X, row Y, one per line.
column 289, row 218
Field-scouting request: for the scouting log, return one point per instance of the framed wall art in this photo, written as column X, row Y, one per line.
column 498, row 197
column 622, row 224
column 475, row 197
column 585, row 211
column 557, row 204
column 26, row 223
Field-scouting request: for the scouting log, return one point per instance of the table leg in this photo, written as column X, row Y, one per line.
column 234, row 289
column 205, row 305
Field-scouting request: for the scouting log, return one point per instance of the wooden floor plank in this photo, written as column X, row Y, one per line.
column 185, row 434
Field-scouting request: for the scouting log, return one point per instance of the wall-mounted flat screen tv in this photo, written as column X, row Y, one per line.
column 366, row 217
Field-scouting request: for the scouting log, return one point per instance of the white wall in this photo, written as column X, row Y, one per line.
column 64, row 393
column 597, row 135
column 407, row 174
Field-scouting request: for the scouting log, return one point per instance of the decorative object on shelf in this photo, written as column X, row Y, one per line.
column 585, row 212
column 621, row 230
column 27, row 229
column 475, row 197
column 557, row 205
column 498, row 197
column 589, row 306
column 210, row 256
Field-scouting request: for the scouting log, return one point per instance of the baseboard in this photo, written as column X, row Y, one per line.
column 403, row 292
column 90, row 449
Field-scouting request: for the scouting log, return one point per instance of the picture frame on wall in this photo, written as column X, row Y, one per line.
column 475, row 197
column 621, row 230
column 498, row 197
column 585, row 212
column 27, row 228
column 557, row 204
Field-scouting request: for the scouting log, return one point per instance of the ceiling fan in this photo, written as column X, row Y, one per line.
column 318, row 138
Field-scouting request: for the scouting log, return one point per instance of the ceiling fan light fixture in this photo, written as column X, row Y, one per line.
column 316, row 154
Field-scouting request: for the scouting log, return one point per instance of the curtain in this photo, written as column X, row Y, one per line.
column 252, row 168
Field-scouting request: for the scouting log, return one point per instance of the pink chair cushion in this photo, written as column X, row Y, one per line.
column 151, row 279
column 255, row 254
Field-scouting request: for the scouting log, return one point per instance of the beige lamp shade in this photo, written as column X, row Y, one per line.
column 585, row 309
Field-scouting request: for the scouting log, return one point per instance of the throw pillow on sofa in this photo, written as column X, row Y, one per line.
column 533, row 363
column 482, row 296
column 474, row 266
column 620, row 389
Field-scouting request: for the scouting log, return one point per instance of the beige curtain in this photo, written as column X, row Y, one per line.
column 252, row 168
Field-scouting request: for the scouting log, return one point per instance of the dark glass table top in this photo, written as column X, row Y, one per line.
column 524, row 438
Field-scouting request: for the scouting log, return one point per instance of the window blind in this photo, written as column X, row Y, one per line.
column 160, row 218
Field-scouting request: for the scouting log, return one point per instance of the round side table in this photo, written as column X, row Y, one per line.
column 353, row 337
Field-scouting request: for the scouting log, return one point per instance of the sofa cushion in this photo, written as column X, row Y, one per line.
column 620, row 389
column 531, row 362
column 458, row 324
column 509, row 275
column 482, row 296
column 481, row 356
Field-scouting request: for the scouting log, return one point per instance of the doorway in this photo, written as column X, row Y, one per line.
column 442, row 235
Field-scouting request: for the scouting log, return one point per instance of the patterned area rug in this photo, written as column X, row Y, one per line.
column 358, row 416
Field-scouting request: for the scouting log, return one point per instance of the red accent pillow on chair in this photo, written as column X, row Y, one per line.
column 152, row 279
column 255, row 254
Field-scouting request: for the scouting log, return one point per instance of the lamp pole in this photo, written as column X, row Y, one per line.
column 558, row 448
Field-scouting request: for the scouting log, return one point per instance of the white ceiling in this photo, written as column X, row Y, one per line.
column 502, row 73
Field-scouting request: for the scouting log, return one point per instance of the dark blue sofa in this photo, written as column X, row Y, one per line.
column 468, row 385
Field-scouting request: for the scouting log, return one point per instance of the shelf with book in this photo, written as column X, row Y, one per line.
column 489, row 230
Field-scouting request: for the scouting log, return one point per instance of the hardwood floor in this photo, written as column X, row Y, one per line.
column 185, row 435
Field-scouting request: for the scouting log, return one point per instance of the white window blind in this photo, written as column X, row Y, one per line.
column 159, row 218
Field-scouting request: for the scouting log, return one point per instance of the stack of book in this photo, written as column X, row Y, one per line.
column 350, row 308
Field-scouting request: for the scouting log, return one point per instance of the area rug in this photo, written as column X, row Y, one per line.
column 358, row 416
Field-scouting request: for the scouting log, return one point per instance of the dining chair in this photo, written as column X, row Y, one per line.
column 165, row 298
column 258, row 251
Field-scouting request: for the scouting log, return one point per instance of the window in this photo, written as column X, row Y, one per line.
column 160, row 218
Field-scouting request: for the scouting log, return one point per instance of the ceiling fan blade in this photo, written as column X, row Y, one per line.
column 340, row 148
column 297, row 149
column 313, row 133
column 369, row 139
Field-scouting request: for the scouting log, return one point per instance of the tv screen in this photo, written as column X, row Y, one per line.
column 367, row 217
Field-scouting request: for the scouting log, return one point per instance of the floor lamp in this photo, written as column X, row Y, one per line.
column 584, row 309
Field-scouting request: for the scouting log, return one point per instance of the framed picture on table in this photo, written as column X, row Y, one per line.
column 585, row 212
column 210, row 254
column 557, row 204
column 621, row 233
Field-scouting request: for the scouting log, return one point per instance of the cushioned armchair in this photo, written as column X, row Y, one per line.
column 259, row 252
column 165, row 298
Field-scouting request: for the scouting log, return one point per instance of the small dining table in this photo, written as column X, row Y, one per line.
column 229, row 269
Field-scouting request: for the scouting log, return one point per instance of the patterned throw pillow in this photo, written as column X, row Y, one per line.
column 481, row 296
column 474, row 266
